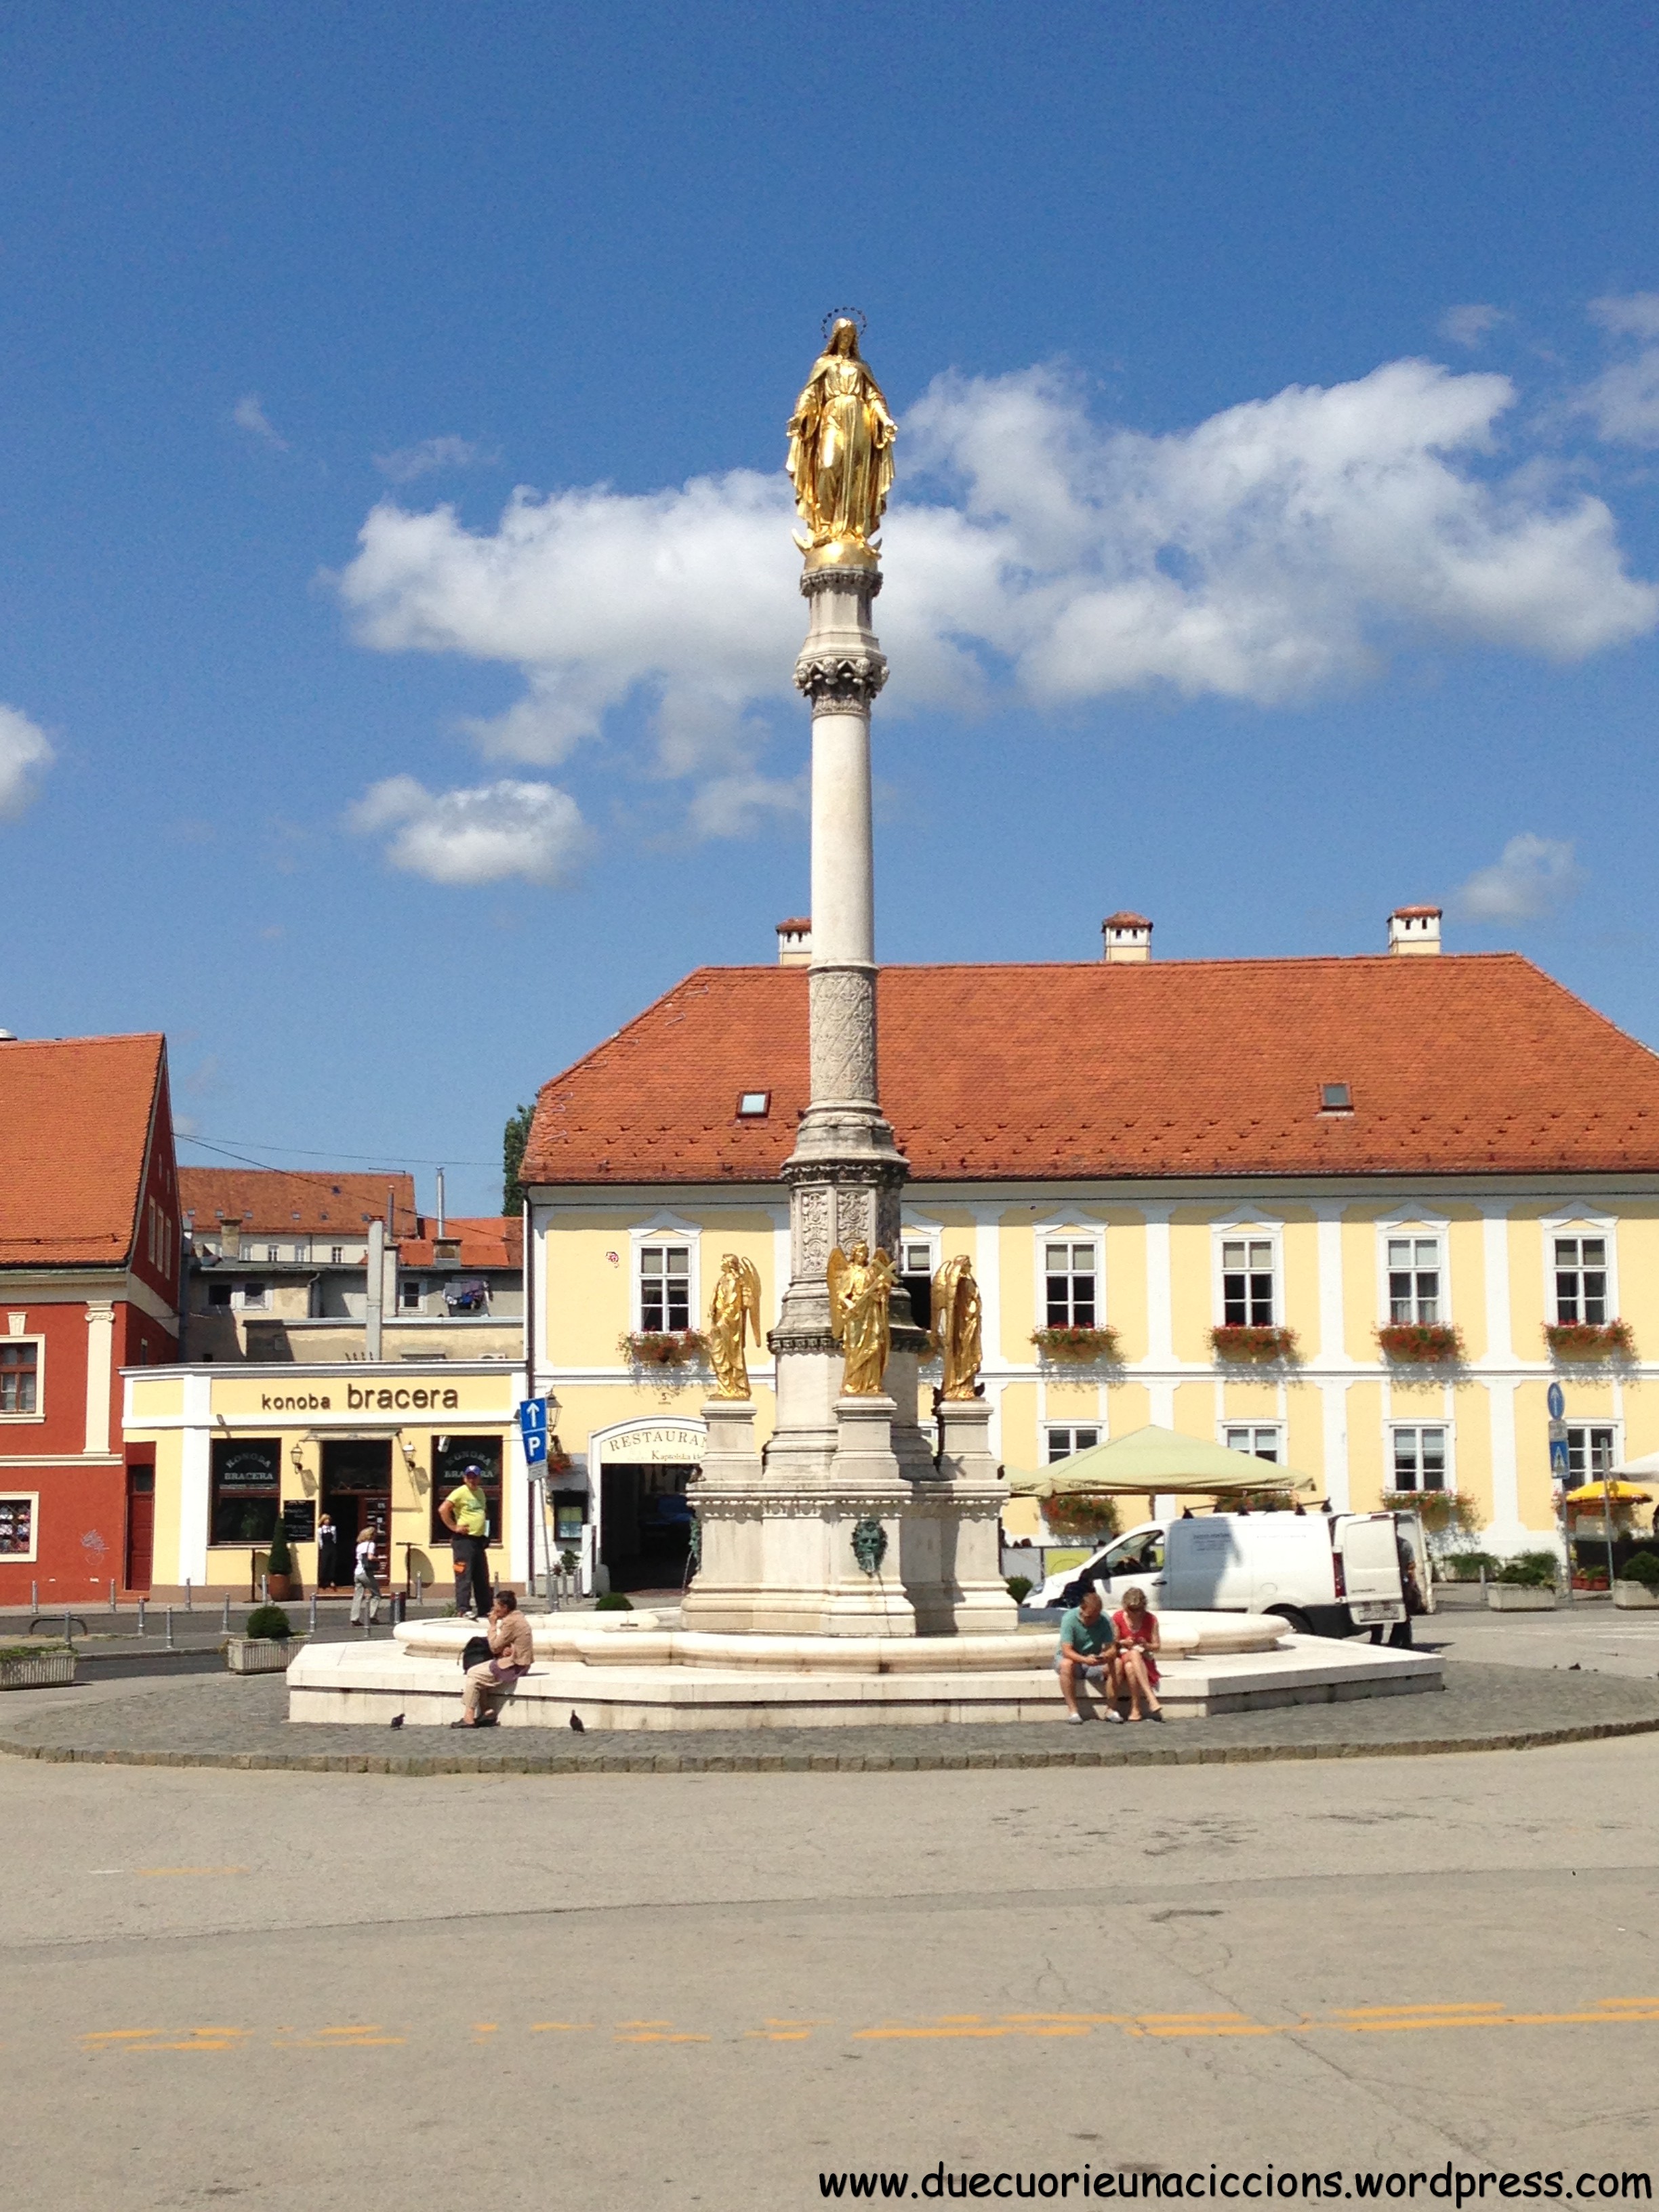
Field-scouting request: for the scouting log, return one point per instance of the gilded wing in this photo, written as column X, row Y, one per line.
column 945, row 1300
column 837, row 1270
column 749, row 1275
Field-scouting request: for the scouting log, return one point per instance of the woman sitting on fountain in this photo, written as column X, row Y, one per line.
column 1137, row 1639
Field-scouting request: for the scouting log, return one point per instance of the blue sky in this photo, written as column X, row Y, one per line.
column 1280, row 400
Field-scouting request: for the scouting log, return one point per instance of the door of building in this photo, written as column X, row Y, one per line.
column 645, row 1526
column 357, row 1495
column 140, row 1527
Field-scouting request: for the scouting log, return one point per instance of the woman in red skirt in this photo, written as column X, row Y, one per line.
column 1138, row 1639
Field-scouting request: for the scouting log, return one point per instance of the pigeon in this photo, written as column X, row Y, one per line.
column 578, row 1723
column 397, row 1721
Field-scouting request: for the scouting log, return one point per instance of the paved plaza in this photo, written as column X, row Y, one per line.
column 295, row 1991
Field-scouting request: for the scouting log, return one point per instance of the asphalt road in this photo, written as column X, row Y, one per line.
column 301, row 1991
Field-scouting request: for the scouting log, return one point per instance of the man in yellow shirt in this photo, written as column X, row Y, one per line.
column 465, row 1514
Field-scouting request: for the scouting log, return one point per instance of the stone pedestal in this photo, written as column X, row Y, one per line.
column 972, row 1495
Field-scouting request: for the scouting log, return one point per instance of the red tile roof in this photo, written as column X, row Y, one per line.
column 272, row 1201
column 75, row 1124
column 486, row 1240
column 1468, row 1065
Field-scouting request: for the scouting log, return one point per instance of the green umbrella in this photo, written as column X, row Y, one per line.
column 1153, row 1462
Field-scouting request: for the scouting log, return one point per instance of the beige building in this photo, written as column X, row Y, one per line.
column 1356, row 1214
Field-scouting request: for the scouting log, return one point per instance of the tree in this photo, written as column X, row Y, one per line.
column 514, row 1137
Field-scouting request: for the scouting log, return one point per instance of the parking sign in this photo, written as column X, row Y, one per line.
column 532, row 1427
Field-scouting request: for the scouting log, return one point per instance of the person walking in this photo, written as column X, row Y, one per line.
column 511, row 1650
column 365, row 1588
column 465, row 1514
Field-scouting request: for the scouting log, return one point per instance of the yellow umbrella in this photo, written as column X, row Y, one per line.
column 1619, row 1494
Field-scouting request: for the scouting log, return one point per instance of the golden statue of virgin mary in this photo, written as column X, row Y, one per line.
column 841, row 455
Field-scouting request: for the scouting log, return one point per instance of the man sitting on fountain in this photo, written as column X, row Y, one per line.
column 511, row 1652
column 1088, row 1650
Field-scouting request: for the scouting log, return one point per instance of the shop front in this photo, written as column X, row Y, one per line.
column 638, row 1473
column 327, row 1453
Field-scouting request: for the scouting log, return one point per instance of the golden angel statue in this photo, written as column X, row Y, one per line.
column 841, row 453
column 958, row 1314
column 860, row 1288
column 734, row 1311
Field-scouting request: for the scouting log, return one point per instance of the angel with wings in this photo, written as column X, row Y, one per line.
column 733, row 1311
column 860, row 1291
column 958, row 1314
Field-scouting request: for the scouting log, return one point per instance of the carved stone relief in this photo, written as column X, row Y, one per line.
column 843, row 1033
column 814, row 1231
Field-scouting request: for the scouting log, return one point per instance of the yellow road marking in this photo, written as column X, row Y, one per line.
column 559, row 2026
column 657, row 2035
column 117, row 2034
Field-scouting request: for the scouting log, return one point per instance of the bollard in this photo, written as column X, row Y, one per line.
column 265, row 1589
column 141, row 1616
column 169, row 1645
column 113, row 1606
column 313, row 1612
column 34, row 1597
column 224, row 1624
column 69, row 1629
column 189, row 1608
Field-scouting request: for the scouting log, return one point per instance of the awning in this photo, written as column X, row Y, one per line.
column 1152, row 1462
column 1648, row 1465
column 1619, row 1494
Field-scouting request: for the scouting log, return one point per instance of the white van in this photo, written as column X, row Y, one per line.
column 1328, row 1574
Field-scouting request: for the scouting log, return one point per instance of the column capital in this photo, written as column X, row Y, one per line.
column 836, row 680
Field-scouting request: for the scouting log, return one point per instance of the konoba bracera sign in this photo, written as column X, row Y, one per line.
column 370, row 1398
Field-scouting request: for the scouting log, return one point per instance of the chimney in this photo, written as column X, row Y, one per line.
column 230, row 1236
column 1414, row 929
column 1125, row 937
column 795, row 942
column 374, row 1290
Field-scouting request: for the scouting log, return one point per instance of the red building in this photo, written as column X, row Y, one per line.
column 89, row 1259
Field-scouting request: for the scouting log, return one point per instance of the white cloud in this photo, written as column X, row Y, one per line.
column 1468, row 326
column 1279, row 548
column 1535, row 877
column 738, row 806
column 26, row 754
column 248, row 413
column 409, row 462
column 1623, row 400
column 482, row 835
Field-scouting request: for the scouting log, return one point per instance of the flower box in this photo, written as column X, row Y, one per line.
column 260, row 1655
column 1421, row 1342
column 1590, row 1339
column 678, row 1347
column 1254, row 1346
column 36, row 1670
column 1075, row 1346
column 1519, row 1597
column 1633, row 1596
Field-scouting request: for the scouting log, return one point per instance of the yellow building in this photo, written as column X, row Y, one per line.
column 1354, row 1214
column 376, row 1444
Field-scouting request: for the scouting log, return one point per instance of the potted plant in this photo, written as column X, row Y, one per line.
column 1637, row 1584
column 1080, row 1518
column 265, row 1645
column 1075, row 1346
column 1525, row 1584
column 1252, row 1345
column 1442, row 1512
column 1421, row 1343
column 36, row 1666
column 1590, row 1339
column 279, row 1564
column 657, row 1348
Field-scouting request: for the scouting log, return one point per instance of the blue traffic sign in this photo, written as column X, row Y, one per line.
column 1557, row 1402
column 532, row 1427
column 1558, row 1456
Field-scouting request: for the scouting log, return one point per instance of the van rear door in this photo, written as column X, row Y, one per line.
column 1371, row 1568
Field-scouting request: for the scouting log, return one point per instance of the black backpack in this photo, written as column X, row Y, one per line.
column 475, row 1652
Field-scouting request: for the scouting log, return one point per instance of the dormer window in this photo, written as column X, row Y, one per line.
column 754, row 1105
column 1335, row 1098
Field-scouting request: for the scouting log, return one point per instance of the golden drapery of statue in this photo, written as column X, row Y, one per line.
column 734, row 1311
column 840, row 454
column 860, row 1292
column 955, row 1330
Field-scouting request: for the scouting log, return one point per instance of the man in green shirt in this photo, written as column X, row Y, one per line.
column 1088, row 1652
column 465, row 1514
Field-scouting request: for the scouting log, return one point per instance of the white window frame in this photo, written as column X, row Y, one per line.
column 927, row 1233
column 12, row 1420
column 1414, row 1222
column 31, row 1498
column 1068, row 1231
column 1246, row 1227
column 1225, row 1428
column 239, row 1297
column 1449, row 1430
column 664, row 1228
column 1618, row 1429
column 1577, row 1221
column 1051, row 1429
column 407, row 1304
